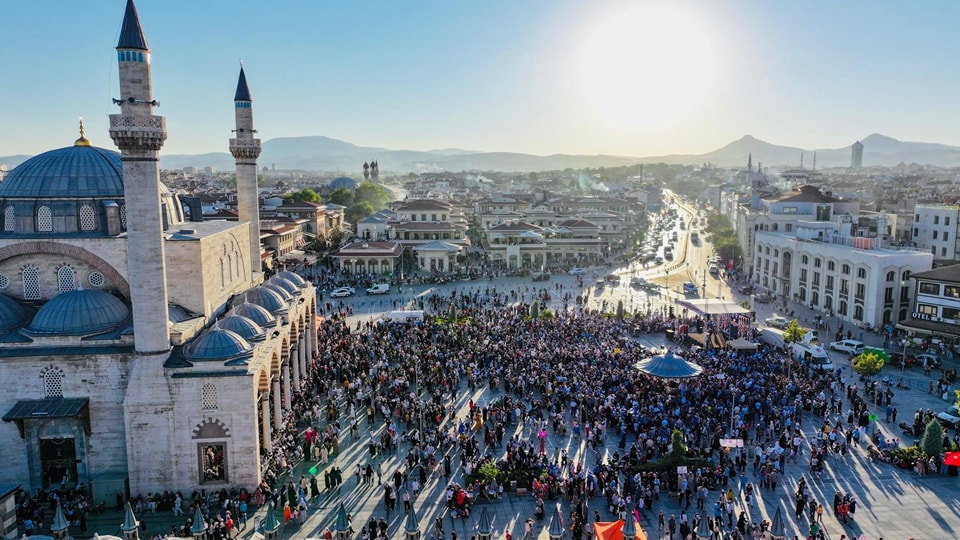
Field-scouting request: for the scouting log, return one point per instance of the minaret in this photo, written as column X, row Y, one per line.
column 750, row 162
column 139, row 135
column 246, row 149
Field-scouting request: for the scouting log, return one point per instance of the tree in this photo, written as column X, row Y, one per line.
column 620, row 309
column 535, row 310
column 341, row 196
column 678, row 450
column 305, row 194
column 358, row 211
column 867, row 364
column 794, row 332
column 371, row 193
column 932, row 443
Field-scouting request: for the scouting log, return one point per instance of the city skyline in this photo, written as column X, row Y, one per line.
column 617, row 78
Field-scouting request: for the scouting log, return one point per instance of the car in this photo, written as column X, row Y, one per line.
column 897, row 359
column 541, row 276
column 777, row 322
column 932, row 360
column 745, row 289
column 950, row 417
column 379, row 288
column 577, row 271
column 764, row 298
column 690, row 288
column 342, row 291
column 849, row 346
column 714, row 269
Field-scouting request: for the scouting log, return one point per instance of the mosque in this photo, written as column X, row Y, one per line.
column 142, row 351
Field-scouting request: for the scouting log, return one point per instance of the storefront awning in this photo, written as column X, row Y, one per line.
column 930, row 327
column 37, row 409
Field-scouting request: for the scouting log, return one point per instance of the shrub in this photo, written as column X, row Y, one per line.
column 933, row 438
column 867, row 364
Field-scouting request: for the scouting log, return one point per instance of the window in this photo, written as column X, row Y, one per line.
column 861, row 273
column 861, row 291
column 844, row 287
column 817, row 263
column 208, row 397
column 927, row 309
column 950, row 313
column 946, row 236
column 936, row 220
column 946, row 221
column 916, row 232
column 96, row 280
column 31, row 282
column 88, row 220
column 951, row 291
column 816, row 279
column 789, row 227
column 929, row 288
column 123, row 216
column 804, row 259
column 943, row 252
column 906, row 275
column 4, row 281
column 66, row 279
column 44, row 219
column 803, row 275
column 891, row 275
column 213, row 463
column 858, row 312
column 789, row 210
column 53, row 383
column 934, row 235
column 829, row 283
column 831, row 266
column 916, row 218
column 845, row 269
column 888, row 295
column 9, row 219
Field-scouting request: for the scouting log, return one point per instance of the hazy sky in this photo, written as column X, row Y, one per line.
column 538, row 76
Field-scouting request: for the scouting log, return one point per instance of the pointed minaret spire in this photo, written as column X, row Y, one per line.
column 131, row 33
column 750, row 162
column 246, row 149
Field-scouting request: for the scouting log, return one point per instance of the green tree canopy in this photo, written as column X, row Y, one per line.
column 867, row 364
column 358, row 211
column 371, row 193
column 932, row 443
column 342, row 196
column 305, row 194
column 794, row 332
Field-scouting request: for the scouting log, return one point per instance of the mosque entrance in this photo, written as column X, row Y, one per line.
column 58, row 461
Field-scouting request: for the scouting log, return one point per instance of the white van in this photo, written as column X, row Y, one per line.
column 813, row 355
column 379, row 288
column 773, row 337
column 403, row 316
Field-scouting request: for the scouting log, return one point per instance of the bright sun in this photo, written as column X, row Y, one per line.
column 646, row 67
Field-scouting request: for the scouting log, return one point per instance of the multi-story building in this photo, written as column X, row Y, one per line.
column 837, row 267
column 936, row 306
column 935, row 229
column 424, row 220
column 322, row 220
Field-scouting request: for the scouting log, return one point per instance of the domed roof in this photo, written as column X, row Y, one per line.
column 255, row 313
column 281, row 292
column 243, row 327
column 292, row 277
column 74, row 171
column 12, row 314
column 343, row 182
column 285, row 284
column 217, row 344
column 79, row 312
column 266, row 298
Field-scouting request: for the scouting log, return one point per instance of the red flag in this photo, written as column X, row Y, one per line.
column 729, row 264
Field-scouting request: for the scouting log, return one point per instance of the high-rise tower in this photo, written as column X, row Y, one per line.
column 139, row 135
column 246, row 149
column 856, row 155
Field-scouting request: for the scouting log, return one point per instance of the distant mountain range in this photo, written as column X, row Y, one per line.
column 320, row 153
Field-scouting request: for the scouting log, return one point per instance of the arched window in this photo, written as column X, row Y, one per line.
column 9, row 219
column 53, row 383
column 804, row 259
column 858, row 312
column 208, row 397
column 31, row 282
column 891, row 275
column 845, row 269
column 905, row 276
column 223, row 275
column 66, row 279
column 44, row 219
column 861, row 273
column 88, row 221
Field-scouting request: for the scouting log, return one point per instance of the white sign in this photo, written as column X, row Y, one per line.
column 682, row 469
column 731, row 443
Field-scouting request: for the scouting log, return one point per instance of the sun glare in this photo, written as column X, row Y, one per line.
column 646, row 66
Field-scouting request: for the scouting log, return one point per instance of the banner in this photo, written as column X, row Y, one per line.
column 731, row 443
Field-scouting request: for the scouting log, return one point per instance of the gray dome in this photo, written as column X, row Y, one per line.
column 74, row 171
column 285, row 284
column 217, row 344
column 178, row 314
column 256, row 313
column 243, row 327
column 292, row 277
column 266, row 298
column 79, row 312
column 12, row 314
column 343, row 182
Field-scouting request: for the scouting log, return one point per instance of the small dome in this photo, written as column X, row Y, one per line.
column 243, row 327
column 288, row 286
column 343, row 182
column 12, row 314
column 71, row 172
column 257, row 314
column 266, row 298
column 177, row 313
column 292, row 277
column 217, row 344
column 79, row 312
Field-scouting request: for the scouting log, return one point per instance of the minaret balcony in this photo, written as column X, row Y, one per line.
column 138, row 132
column 245, row 148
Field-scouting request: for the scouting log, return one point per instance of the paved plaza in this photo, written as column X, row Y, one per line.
column 892, row 503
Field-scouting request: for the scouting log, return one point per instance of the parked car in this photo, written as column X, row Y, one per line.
column 931, row 359
column 897, row 359
column 714, row 270
column 577, row 271
column 849, row 346
column 777, row 322
column 764, row 298
column 379, row 288
column 342, row 291
column 690, row 288
column 950, row 416
column 745, row 289
column 541, row 276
